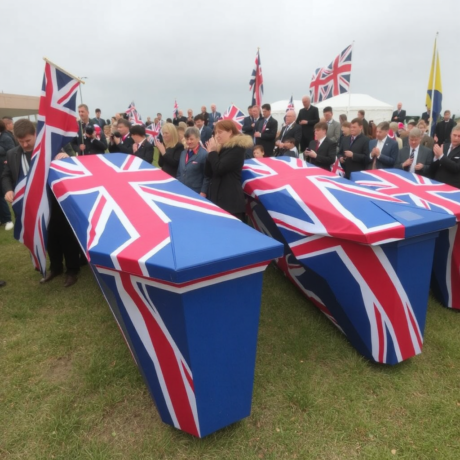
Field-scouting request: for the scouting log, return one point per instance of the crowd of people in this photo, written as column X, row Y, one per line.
column 207, row 153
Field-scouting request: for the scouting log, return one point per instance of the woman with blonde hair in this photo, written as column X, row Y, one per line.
column 170, row 150
column 223, row 166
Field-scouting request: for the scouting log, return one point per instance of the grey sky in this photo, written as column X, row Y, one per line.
column 203, row 51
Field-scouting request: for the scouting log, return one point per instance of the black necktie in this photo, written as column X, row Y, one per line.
column 412, row 155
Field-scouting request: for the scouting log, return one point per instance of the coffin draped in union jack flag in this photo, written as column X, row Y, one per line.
column 362, row 257
column 183, row 279
column 438, row 197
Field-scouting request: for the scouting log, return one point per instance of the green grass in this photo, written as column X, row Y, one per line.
column 69, row 388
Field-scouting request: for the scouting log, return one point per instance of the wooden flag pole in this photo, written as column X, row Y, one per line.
column 62, row 70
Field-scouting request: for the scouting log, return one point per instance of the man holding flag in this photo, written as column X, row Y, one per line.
column 24, row 179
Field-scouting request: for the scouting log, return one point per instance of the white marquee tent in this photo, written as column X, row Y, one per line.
column 349, row 104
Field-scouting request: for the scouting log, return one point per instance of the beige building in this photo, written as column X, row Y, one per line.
column 17, row 105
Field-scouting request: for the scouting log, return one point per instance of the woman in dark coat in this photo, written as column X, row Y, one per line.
column 170, row 149
column 223, row 166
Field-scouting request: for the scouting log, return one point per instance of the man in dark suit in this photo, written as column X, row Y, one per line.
column 426, row 116
column 205, row 115
column 100, row 121
column 307, row 119
column 321, row 151
column 78, row 142
column 205, row 131
column 443, row 129
column 214, row 116
column 446, row 162
column 124, row 143
column 399, row 115
column 142, row 148
column 384, row 151
column 61, row 239
column 180, row 117
column 265, row 130
column 291, row 130
column 249, row 122
column 414, row 157
column 354, row 151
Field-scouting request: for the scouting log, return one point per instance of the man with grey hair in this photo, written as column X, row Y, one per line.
column 307, row 119
column 214, row 116
column 291, row 130
column 414, row 157
column 446, row 162
column 192, row 163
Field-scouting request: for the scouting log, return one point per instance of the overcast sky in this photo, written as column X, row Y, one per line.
column 200, row 52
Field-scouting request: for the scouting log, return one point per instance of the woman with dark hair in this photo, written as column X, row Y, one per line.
column 170, row 150
column 223, row 166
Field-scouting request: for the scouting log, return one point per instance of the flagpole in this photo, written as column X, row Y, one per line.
column 433, row 80
column 63, row 70
column 349, row 87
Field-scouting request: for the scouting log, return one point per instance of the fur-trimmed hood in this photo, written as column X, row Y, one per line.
column 239, row 140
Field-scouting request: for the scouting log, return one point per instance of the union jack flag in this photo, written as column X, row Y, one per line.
column 332, row 80
column 319, row 217
column 256, row 83
column 175, row 110
column 153, row 131
column 134, row 116
column 57, row 125
column 436, row 196
column 336, row 168
column 290, row 106
column 113, row 202
column 236, row 115
column 131, row 108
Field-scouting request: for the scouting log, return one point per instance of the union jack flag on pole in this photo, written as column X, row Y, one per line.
column 256, row 83
column 332, row 80
column 290, row 106
column 153, row 131
column 236, row 115
column 176, row 109
column 57, row 125
column 134, row 116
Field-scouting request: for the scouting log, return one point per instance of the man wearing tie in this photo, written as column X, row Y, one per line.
column 142, row 148
column 307, row 119
column 291, row 130
column 354, row 150
column 265, row 130
column 414, row 157
column 321, row 151
column 214, row 116
column 249, row 123
column 399, row 115
column 384, row 151
column 446, row 162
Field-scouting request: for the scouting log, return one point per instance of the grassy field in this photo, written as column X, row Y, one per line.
column 70, row 390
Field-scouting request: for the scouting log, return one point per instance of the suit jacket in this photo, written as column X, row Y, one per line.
column 326, row 154
column 388, row 154
column 169, row 162
column 206, row 118
column 191, row 173
column 365, row 127
column 443, row 130
column 360, row 158
column 213, row 118
column 294, row 132
column 426, row 117
column 11, row 169
column 247, row 125
column 312, row 116
column 333, row 131
column 268, row 135
column 399, row 117
column 125, row 146
column 145, row 151
column 206, row 134
column 177, row 120
column 447, row 169
column 424, row 156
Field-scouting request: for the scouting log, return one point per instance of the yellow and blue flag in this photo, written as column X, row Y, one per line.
column 434, row 92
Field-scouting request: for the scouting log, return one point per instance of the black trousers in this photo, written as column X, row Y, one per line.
column 62, row 243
